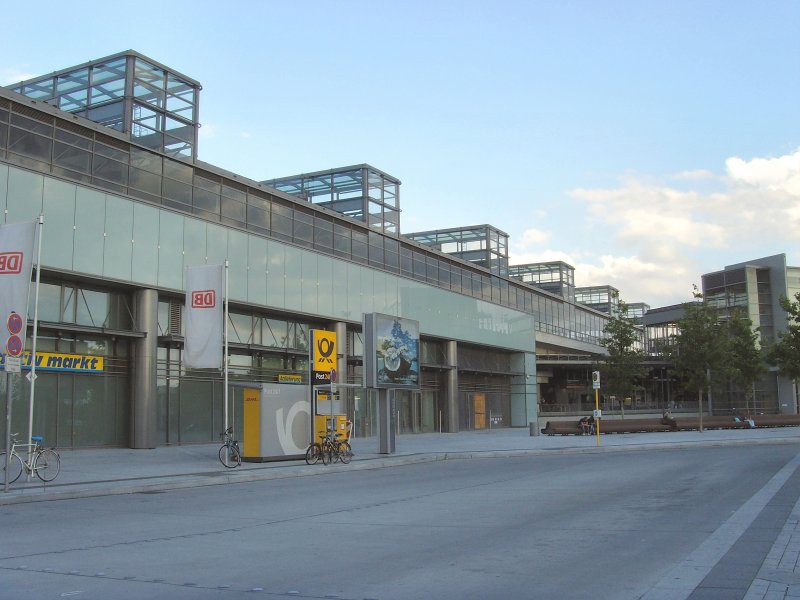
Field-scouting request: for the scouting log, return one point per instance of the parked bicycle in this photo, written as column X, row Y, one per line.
column 229, row 453
column 330, row 449
column 44, row 462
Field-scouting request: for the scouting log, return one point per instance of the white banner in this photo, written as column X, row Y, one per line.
column 17, row 243
column 205, row 290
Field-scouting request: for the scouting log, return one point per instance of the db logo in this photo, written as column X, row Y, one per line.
column 204, row 299
column 10, row 263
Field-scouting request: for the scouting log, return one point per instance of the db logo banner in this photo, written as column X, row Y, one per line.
column 204, row 299
column 10, row 263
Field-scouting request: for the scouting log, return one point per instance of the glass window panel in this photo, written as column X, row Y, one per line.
column 32, row 125
column 68, row 314
column 39, row 89
column 111, row 71
column 148, row 73
column 91, row 308
column 147, row 161
column 177, row 191
column 240, row 328
column 110, row 170
column 145, row 244
column 69, row 82
column 359, row 246
column 25, row 191
column 274, row 333
column 303, row 232
column 119, row 233
column 72, row 158
column 281, row 221
column 341, row 241
column 178, row 171
column 170, row 251
column 234, row 211
column 323, row 233
column 90, row 215
column 145, row 181
column 109, row 115
column 59, row 208
column 29, row 144
column 49, row 302
column 257, row 217
column 73, row 101
column 234, row 193
column 206, row 200
column 179, row 129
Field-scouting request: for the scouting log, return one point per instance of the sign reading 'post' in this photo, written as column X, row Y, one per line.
column 323, row 356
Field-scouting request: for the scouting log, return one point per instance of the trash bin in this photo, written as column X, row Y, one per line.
column 534, row 425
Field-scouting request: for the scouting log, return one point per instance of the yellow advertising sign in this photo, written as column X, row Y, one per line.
column 52, row 361
column 289, row 378
column 323, row 353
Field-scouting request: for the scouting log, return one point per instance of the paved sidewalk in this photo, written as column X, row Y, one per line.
column 111, row 471
column 108, row 471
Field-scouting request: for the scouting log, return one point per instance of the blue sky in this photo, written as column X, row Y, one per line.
column 645, row 143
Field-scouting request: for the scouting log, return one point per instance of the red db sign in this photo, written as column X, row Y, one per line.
column 204, row 299
column 10, row 263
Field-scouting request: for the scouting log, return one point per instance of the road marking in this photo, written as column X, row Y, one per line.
column 681, row 581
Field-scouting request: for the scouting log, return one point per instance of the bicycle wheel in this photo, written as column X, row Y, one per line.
column 345, row 452
column 47, row 464
column 230, row 456
column 313, row 454
column 14, row 469
column 327, row 454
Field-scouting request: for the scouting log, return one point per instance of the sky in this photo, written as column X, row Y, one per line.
column 644, row 143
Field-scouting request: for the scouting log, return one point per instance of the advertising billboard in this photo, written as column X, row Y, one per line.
column 391, row 352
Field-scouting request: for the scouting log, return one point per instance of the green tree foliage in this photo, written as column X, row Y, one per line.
column 745, row 363
column 624, row 367
column 701, row 347
column 785, row 353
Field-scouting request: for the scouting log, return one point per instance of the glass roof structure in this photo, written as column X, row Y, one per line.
column 360, row 192
column 155, row 105
column 599, row 297
column 483, row 245
column 556, row 277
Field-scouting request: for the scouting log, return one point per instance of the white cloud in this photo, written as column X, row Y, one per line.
column 535, row 236
column 696, row 175
column 658, row 240
column 776, row 174
column 12, row 75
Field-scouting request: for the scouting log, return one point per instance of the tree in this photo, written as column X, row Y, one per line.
column 785, row 353
column 699, row 348
column 745, row 364
column 624, row 366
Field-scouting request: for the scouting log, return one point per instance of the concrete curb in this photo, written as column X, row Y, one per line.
column 152, row 485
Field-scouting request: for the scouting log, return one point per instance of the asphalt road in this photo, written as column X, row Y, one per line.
column 606, row 525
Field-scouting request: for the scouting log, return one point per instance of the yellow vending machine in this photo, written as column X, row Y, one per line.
column 275, row 421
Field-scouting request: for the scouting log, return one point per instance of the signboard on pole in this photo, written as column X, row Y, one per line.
column 323, row 356
column 17, row 242
column 205, row 290
column 595, row 380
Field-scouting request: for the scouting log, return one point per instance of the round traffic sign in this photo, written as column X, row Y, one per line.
column 14, row 345
column 14, row 323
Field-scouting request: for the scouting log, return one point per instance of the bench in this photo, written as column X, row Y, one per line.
column 650, row 425
column 776, row 420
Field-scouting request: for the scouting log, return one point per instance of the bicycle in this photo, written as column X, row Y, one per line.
column 330, row 449
column 45, row 462
column 229, row 453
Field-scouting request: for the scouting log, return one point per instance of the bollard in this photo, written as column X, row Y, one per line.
column 534, row 428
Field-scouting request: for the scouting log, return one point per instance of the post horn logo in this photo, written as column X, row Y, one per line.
column 325, row 348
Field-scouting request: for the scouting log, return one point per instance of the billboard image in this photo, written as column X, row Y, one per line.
column 391, row 352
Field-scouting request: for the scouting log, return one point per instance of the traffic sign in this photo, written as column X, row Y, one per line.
column 596, row 380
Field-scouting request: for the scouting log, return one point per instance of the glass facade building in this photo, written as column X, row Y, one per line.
column 555, row 277
column 125, row 216
column 755, row 288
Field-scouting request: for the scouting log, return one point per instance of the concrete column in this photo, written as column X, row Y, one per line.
column 144, row 396
column 450, row 424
